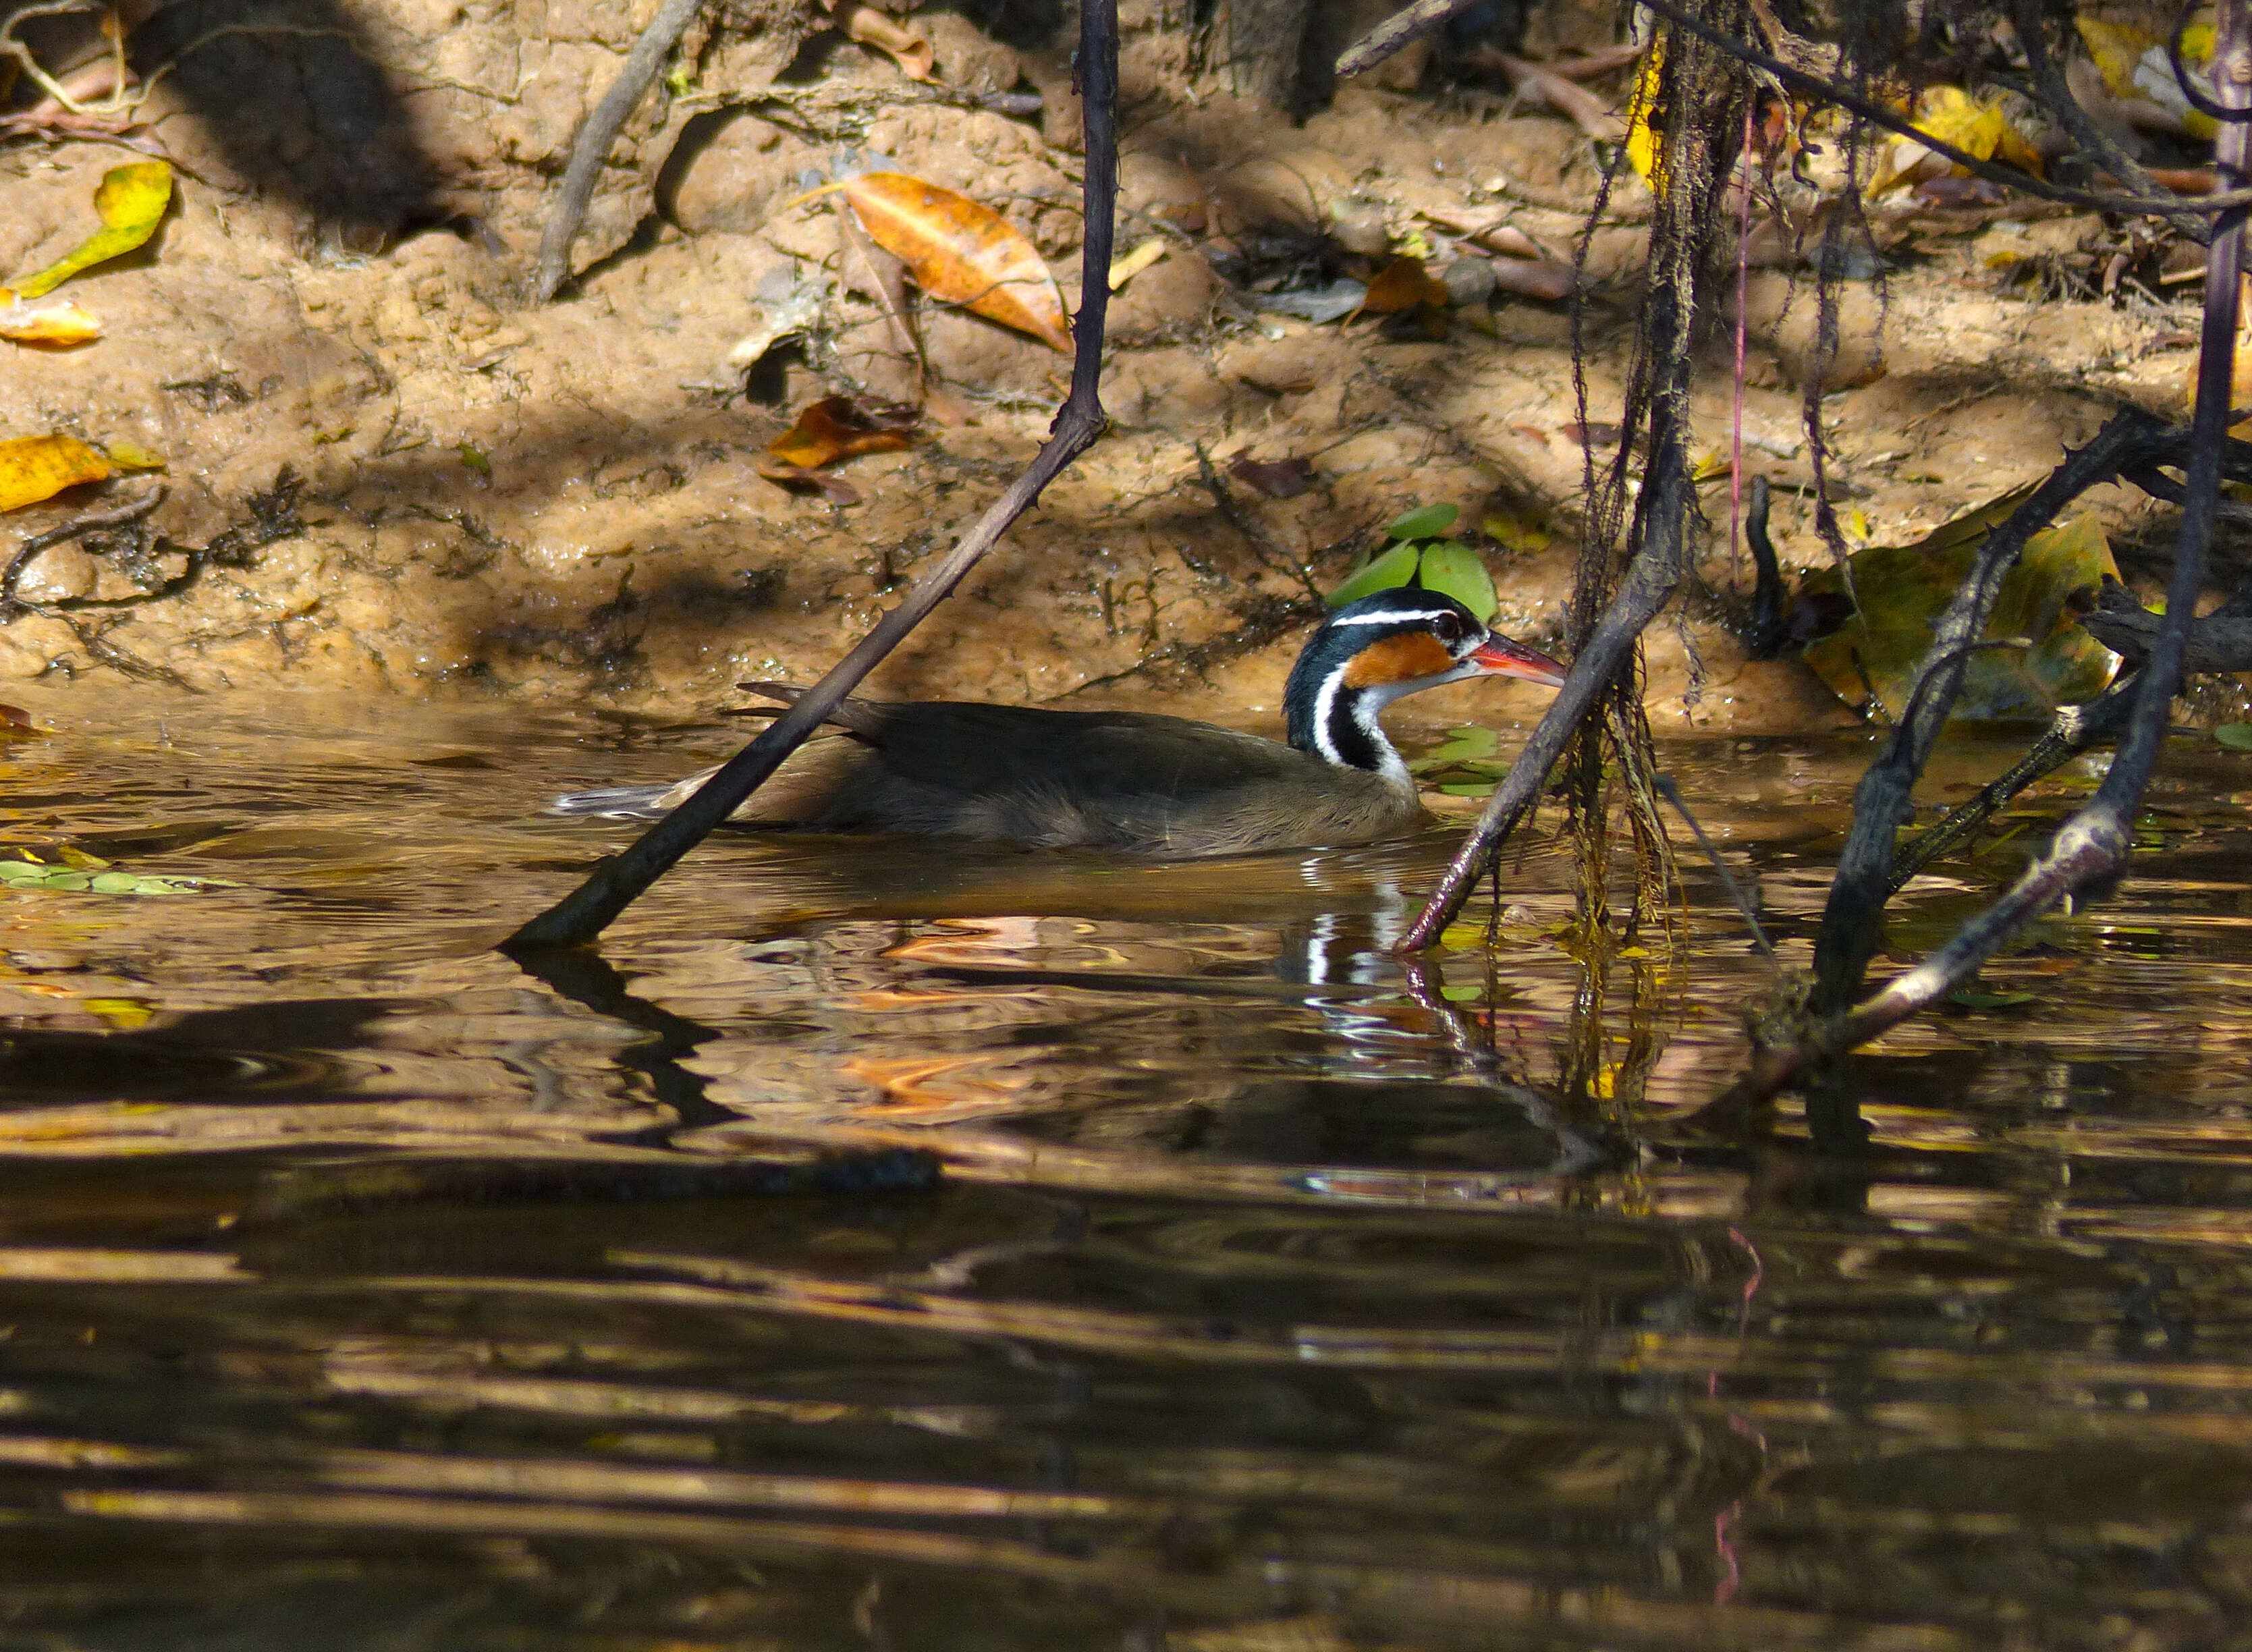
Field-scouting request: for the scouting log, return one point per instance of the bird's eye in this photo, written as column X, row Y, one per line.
column 1448, row 627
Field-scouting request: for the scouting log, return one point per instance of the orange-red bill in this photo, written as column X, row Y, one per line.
column 1498, row 656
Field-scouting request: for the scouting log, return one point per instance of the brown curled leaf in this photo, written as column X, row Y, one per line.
column 1403, row 284
column 961, row 252
column 835, row 489
column 1276, row 478
column 838, row 428
column 895, row 40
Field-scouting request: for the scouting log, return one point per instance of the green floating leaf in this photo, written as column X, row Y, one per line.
column 1902, row 589
column 27, row 874
column 1453, row 569
column 1396, row 566
column 1461, row 994
column 1424, row 522
column 1461, row 745
column 2237, row 737
column 1468, row 789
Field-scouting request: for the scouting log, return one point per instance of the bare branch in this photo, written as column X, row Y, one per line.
column 580, row 917
column 591, row 148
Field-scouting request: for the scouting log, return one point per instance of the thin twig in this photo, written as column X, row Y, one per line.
column 591, row 148
column 1876, row 113
column 1672, row 794
column 1848, row 936
column 2092, row 847
column 583, row 914
column 93, row 522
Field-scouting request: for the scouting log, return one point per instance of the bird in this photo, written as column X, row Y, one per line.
column 1135, row 782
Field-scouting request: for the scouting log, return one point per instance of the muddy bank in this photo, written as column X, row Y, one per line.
column 563, row 501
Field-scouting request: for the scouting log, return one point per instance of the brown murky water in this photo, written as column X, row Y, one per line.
column 358, row 1290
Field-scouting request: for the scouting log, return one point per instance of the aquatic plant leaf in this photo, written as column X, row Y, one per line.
column 1902, row 589
column 31, row 874
column 1396, row 566
column 961, row 252
column 1453, row 569
column 36, row 468
column 2235, row 737
column 1461, row 745
column 1425, row 521
column 131, row 201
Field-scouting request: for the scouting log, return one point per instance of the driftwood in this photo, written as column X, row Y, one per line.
column 2221, row 641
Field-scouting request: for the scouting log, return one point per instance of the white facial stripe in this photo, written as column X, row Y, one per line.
column 1393, row 619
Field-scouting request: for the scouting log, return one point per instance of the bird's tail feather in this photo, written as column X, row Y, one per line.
column 613, row 802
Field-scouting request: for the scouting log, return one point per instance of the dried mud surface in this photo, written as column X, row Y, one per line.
column 563, row 502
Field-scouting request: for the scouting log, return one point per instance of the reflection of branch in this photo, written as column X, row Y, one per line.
column 616, row 885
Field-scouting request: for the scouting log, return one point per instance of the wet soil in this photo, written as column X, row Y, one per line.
column 561, row 502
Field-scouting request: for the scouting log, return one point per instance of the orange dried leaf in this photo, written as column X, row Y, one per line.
column 836, row 427
column 58, row 323
column 961, row 252
column 902, row 44
column 1403, row 284
column 36, row 468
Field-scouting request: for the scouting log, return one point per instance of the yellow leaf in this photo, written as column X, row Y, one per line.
column 124, row 1014
column 2115, row 48
column 1953, row 116
column 36, row 468
column 1125, row 269
column 961, row 252
column 131, row 201
column 63, row 324
column 130, row 455
column 1519, row 529
column 1644, row 143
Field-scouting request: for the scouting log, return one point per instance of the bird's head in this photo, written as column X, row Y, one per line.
column 1384, row 647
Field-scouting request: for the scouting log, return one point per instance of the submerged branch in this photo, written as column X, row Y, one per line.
column 1848, row 936
column 617, row 884
column 2091, row 849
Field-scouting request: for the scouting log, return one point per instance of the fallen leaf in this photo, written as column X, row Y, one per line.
column 835, row 488
column 1592, row 435
column 1125, row 269
column 1403, row 284
column 63, row 324
column 832, row 428
column 131, row 200
column 1276, row 478
column 1342, row 297
column 902, row 44
column 1515, row 530
column 838, row 428
column 1902, row 589
column 1644, row 143
column 1977, row 126
column 14, row 720
column 1589, row 112
column 961, row 252
column 1541, row 278
column 131, row 455
column 36, row 468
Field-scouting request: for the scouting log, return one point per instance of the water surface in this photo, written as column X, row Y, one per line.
column 360, row 1290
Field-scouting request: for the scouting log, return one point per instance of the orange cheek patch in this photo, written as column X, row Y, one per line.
column 1398, row 659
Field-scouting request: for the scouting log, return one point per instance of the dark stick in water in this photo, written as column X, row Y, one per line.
column 583, row 914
